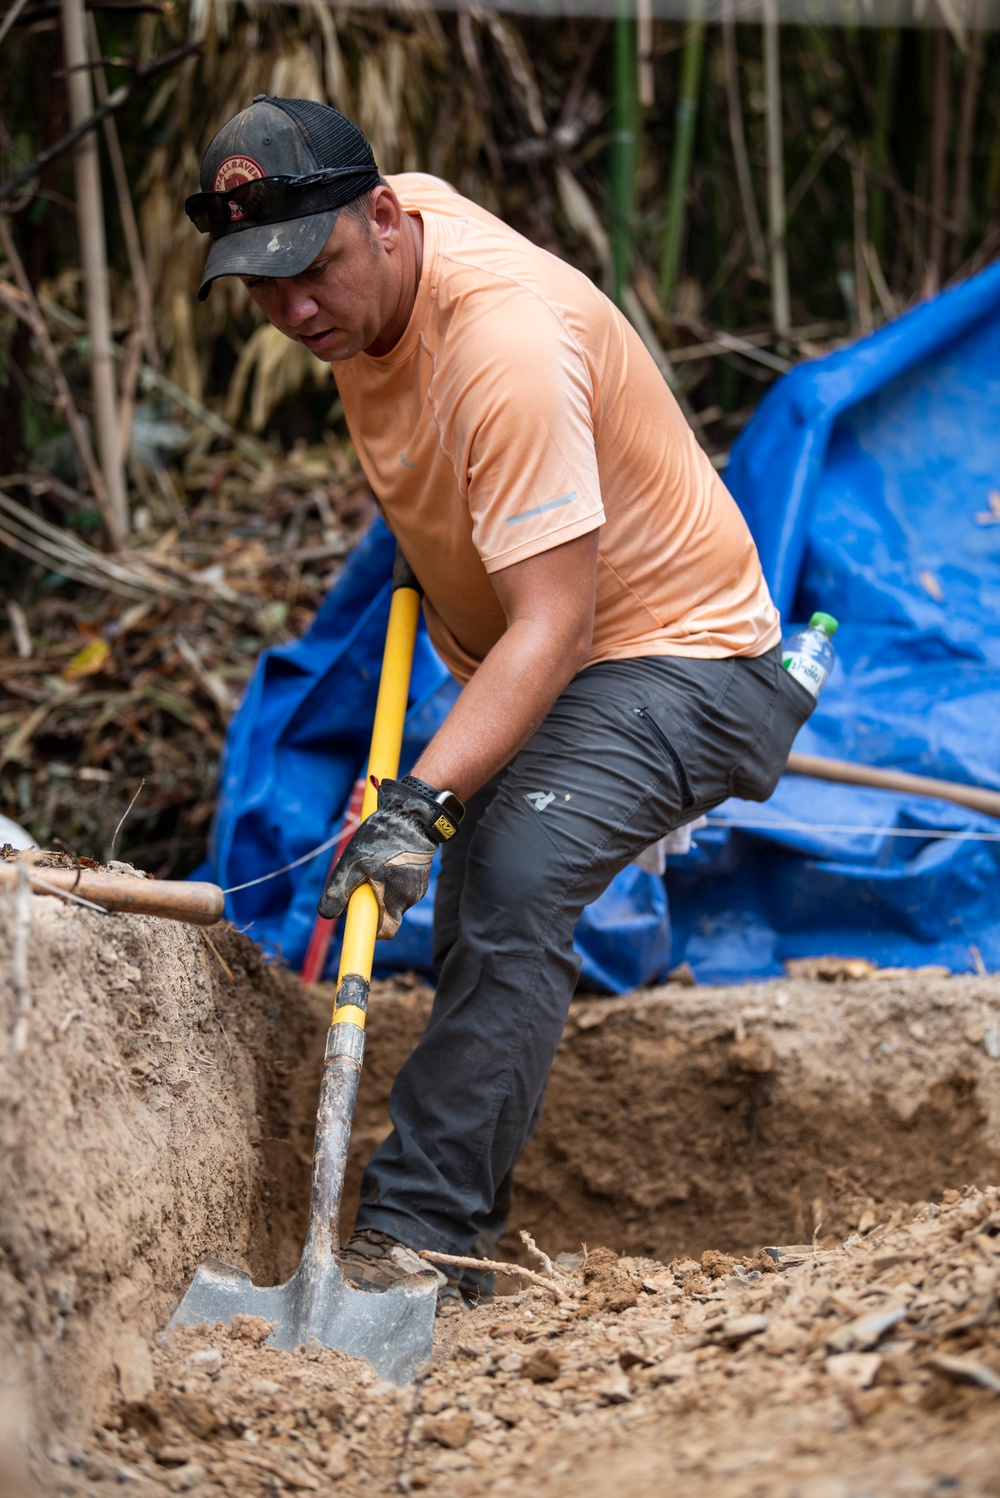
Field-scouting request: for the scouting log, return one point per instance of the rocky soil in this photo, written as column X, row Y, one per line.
column 773, row 1210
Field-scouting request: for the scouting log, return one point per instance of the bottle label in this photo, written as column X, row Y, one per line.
column 808, row 673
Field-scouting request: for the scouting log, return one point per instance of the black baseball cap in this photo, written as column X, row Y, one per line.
column 306, row 160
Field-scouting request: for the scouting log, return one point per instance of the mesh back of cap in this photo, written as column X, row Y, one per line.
column 333, row 138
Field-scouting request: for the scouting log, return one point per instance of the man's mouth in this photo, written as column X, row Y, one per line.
column 318, row 340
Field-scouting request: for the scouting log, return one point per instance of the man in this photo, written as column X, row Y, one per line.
column 586, row 577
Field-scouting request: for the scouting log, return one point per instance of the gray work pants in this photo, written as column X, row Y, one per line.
column 628, row 751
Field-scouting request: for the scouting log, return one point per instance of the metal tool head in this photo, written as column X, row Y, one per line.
column 393, row 1330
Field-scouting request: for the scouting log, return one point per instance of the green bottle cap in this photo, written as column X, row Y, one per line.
column 826, row 622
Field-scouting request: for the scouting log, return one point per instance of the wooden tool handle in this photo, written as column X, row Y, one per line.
column 173, row 899
column 844, row 773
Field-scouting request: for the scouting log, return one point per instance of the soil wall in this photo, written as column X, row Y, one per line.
column 137, row 1082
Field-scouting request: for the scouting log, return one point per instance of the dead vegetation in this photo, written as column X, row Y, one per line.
column 103, row 690
column 121, row 658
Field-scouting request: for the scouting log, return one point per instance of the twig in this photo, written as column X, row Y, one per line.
column 732, row 343
column 19, row 959
column 541, row 1256
column 121, row 824
column 11, row 17
column 939, row 159
column 462, row 1261
column 966, row 125
column 225, row 1036
column 226, row 969
column 886, row 299
column 19, row 628
column 777, row 220
column 212, row 686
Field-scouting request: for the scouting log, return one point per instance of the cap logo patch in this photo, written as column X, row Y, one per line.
column 233, row 172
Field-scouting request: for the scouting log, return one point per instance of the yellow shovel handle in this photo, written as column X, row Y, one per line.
column 383, row 762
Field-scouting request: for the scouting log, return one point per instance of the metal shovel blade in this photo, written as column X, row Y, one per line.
column 392, row 1329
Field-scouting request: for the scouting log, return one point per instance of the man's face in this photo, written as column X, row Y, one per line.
column 342, row 302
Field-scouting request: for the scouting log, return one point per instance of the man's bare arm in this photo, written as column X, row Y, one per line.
column 549, row 603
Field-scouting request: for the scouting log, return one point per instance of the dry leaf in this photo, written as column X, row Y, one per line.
column 88, row 661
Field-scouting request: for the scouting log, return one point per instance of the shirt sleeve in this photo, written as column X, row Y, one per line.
column 525, row 443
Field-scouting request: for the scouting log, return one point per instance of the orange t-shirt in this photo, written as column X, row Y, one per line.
column 519, row 410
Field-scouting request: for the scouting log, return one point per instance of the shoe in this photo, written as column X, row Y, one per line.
column 371, row 1260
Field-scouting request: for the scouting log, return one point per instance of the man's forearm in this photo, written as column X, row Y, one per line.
column 501, row 707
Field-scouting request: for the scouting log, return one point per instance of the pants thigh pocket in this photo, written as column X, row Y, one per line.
column 759, row 771
column 672, row 756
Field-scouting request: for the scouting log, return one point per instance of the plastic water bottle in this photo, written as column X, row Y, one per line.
column 808, row 655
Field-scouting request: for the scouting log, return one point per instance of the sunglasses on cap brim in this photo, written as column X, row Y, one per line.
column 269, row 200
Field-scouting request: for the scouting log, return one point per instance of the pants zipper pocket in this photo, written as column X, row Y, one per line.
column 671, row 753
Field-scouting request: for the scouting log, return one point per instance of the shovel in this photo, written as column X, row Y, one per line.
column 392, row 1329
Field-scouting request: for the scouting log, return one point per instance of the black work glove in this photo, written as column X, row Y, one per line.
column 392, row 850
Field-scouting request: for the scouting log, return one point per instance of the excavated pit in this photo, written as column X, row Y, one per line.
column 157, row 1097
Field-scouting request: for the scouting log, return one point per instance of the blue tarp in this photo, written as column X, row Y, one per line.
column 861, row 476
column 866, row 479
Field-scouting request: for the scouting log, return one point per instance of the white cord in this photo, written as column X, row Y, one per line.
column 760, row 824
column 348, row 825
column 923, row 832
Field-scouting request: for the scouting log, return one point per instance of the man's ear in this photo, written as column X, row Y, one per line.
column 387, row 217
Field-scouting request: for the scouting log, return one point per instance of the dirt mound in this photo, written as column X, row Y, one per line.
column 877, row 1362
column 157, row 1101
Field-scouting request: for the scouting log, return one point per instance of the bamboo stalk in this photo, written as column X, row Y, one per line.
column 644, row 44
column 90, row 219
column 963, row 148
column 685, row 117
column 887, row 43
column 862, row 290
column 142, row 336
column 130, row 225
column 780, row 299
column 624, row 149
column 939, row 158
column 741, row 161
column 727, row 374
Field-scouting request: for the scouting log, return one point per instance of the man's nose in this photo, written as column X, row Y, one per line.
column 296, row 305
